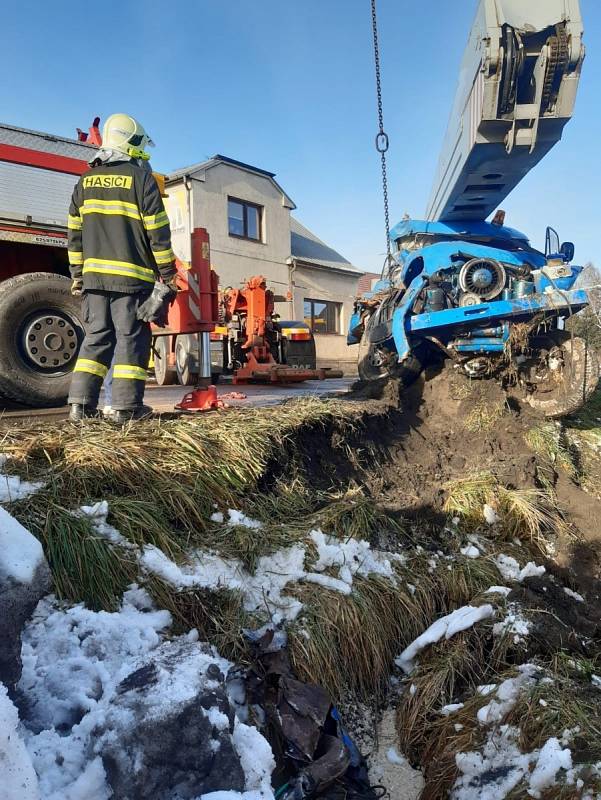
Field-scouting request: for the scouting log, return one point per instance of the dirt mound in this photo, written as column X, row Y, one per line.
column 454, row 427
column 451, row 427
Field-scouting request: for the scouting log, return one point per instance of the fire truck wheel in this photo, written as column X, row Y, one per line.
column 163, row 374
column 40, row 334
column 184, row 359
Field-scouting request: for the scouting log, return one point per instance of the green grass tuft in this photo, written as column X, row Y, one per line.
column 547, row 440
column 529, row 514
column 353, row 515
column 85, row 567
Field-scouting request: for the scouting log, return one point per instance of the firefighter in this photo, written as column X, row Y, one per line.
column 119, row 249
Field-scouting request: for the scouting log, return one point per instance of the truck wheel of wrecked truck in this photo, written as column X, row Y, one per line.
column 40, row 333
column 374, row 363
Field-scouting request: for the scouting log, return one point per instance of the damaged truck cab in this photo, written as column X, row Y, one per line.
column 478, row 294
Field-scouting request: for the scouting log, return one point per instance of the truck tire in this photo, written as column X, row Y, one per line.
column 581, row 377
column 40, row 333
column 163, row 373
column 372, row 367
column 369, row 364
column 185, row 361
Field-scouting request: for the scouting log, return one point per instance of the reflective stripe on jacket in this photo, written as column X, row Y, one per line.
column 119, row 235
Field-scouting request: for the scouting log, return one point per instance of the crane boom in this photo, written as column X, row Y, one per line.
column 517, row 88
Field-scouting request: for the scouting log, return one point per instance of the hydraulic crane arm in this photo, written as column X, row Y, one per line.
column 517, row 90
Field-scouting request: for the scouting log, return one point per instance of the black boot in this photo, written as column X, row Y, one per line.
column 80, row 411
column 121, row 416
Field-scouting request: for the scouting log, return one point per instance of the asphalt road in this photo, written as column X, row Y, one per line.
column 163, row 398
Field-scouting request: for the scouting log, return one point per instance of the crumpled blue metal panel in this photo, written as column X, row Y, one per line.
column 412, row 227
column 438, row 323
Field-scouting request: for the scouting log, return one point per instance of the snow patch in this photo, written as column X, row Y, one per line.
column 239, row 518
column 20, row 552
column 493, row 773
column 351, row 557
column 13, row 488
column 72, row 662
column 445, row 627
column 514, row 624
column 504, row 590
column 470, row 551
column 510, row 569
column 17, row 775
column 328, row 582
column 217, row 718
column 507, row 695
column 256, row 757
column 574, row 595
column 446, row 711
column 490, row 515
column 263, row 590
column 501, row 766
column 97, row 514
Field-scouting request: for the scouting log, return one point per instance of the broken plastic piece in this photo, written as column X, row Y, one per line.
column 233, row 396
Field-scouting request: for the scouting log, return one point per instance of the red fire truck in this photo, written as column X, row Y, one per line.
column 40, row 322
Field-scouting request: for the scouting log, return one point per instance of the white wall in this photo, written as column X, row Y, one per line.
column 236, row 259
column 338, row 287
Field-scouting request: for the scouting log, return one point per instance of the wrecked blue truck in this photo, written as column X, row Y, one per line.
column 473, row 291
column 481, row 296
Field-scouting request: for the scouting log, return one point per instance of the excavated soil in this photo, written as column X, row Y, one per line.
column 450, row 427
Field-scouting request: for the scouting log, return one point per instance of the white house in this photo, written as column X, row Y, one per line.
column 247, row 215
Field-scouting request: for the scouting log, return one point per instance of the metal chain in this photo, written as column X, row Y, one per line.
column 382, row 142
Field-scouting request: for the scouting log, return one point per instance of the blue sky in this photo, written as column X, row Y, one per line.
column 288, row 85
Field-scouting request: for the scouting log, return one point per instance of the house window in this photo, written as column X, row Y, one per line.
column 244, row 219
column 322, row 316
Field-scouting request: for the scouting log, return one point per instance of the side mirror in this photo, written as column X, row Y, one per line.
column 551, row 242
column 567, row 251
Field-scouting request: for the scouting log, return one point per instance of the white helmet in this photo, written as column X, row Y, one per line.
column 125, row 134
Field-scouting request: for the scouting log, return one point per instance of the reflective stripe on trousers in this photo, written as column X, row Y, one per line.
column 93, row 367
column 129, row 372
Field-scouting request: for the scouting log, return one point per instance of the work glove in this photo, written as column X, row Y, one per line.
column 156, row 307
column 77, row 287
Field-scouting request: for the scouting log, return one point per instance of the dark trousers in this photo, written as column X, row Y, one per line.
column 112, row 328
